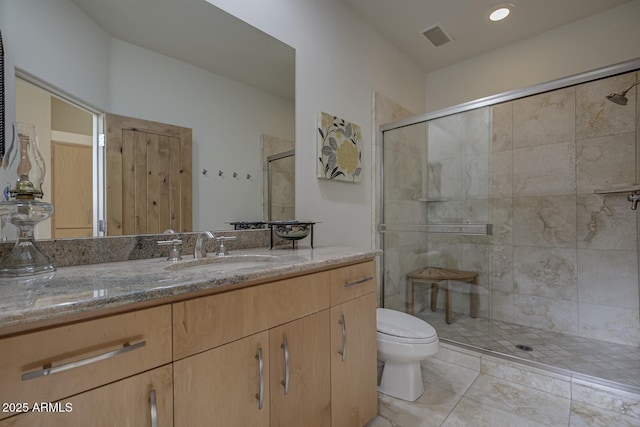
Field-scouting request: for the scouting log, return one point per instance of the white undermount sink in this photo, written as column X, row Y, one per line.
column 227, row 262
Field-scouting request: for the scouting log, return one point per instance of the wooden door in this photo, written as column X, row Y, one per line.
column 128, row 402
column 221, row 386
column 307, row 401
column 148, row 176
column 354, row 399
column 72, row 190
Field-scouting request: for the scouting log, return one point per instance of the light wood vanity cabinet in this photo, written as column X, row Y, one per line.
column 294, row 352
column 235, row 348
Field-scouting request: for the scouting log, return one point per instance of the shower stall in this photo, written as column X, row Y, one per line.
column 507, row 224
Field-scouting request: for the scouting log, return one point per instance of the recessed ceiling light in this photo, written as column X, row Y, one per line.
column 500, row 12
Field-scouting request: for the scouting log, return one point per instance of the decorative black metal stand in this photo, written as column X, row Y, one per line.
column 293, row 239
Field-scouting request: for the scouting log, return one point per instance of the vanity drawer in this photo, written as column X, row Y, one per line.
column 55, row 363
column 207, row 322
column 353, row 281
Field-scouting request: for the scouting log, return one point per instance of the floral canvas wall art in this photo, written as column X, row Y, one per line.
column 339, row 151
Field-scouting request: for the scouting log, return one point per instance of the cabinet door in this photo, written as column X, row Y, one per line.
column 142, row 400
column 353, row 362
column 224, row 386
column 300, row 372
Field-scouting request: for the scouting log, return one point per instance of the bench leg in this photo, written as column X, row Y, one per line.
column 448, row 303
column 434, row 296
column 473, row 299
column 410, row 297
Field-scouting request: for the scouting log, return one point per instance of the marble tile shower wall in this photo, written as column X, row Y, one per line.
column 564, row 258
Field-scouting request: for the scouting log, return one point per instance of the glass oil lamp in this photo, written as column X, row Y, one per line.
column 23, row 170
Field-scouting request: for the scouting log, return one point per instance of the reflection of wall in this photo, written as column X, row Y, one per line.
column 563, row 258
column 283, row 180
column 66, row 49
column 227, row 118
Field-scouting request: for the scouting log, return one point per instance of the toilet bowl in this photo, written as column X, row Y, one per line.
column 403, row 342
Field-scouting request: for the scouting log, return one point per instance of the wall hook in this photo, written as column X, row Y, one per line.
column 219, row 173
column 235, row 174
column 248, row 176
column 205, row 172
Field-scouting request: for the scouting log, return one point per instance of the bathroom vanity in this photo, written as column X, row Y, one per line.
column 268, row 338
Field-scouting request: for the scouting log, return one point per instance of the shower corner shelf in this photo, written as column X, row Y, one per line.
column 626, row 188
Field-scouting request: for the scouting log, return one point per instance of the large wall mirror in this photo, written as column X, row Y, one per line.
column 184, row 63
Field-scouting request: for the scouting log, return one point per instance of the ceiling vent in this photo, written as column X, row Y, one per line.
column 437, row 35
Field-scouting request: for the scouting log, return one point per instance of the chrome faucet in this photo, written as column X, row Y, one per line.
column 200, row 248
column 222, row 249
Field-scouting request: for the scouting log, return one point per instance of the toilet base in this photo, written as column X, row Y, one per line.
column 402, row 380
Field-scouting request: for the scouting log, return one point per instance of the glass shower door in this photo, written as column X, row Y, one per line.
column 436, row 224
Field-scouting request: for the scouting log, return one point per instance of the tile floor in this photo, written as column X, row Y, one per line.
column 466, row 388
column 608, row 361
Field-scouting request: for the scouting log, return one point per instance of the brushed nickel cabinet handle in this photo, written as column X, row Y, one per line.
column 260, row 395
column 343, row 322
column 358, row 282
column 154, row 408
column 285, row 382
column 48, row 369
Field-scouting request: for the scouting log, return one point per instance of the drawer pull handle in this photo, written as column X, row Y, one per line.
column 154, row 408
column 357, row 282
column 285, row 382
column 48, row 369
column 260, row 395
column 343, row 322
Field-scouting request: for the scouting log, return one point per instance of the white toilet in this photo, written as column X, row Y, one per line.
column 403, row 342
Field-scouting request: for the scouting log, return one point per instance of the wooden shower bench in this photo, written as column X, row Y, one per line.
column 448, row 279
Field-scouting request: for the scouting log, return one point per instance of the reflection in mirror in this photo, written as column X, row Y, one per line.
column 278, row 178
column 65, row 137
column 188, row 64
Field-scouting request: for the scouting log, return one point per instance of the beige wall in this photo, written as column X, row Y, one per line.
column 599, row 41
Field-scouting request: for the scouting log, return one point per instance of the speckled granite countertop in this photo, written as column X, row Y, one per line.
column 82, row 291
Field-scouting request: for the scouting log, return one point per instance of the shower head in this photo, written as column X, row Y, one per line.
column 620, row 97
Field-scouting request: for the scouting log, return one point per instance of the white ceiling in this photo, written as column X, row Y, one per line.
column 199, row 33
column 402, row 22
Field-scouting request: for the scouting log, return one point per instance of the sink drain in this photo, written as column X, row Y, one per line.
column 524, row 347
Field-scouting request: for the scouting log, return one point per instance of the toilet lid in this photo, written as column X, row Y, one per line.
column 399, row 324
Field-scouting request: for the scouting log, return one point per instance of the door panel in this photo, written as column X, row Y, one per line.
column 148, row 176
column 307, row 398
column 72, row 190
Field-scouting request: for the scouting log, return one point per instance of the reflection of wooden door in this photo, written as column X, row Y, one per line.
column 72, row 190
column 148, row 175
